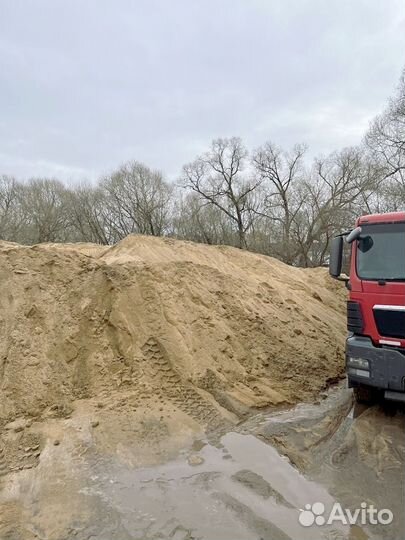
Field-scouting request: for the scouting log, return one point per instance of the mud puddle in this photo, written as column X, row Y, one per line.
column 240, row 490
column 356, row 452
column 247, row 484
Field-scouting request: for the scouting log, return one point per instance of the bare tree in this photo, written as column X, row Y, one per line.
column 385, row 141
column 281, row 172
column 217, row 177
column 10, row 215
column 88, row 215
column 138, row 200
column 198, row 221
column 337, row 192
column 43, row 206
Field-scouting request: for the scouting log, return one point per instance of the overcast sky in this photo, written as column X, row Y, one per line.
column 88, row 84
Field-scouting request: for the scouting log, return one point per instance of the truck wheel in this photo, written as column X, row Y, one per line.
column 364, row 394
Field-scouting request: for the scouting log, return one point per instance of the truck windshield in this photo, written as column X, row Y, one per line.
column 381, row 252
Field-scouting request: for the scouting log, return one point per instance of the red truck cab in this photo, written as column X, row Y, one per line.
column 375, row 347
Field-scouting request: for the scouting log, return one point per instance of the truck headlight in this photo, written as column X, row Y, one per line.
column 355, row 362
column 358, row 372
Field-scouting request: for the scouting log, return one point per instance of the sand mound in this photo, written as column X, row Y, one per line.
column 213, row 331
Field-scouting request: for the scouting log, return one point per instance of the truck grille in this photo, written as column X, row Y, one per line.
column 354, row 317
column 390, row 322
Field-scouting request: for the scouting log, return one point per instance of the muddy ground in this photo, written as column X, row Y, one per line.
column 246, row 482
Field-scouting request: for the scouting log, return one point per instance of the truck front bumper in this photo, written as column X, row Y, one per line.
column 374, row 366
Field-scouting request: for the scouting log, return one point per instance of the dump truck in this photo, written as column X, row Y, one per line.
column 375, row 346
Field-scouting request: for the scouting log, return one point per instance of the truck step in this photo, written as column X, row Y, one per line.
column 394, row 396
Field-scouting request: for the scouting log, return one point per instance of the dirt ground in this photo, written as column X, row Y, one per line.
column 131, row 384
column 249, row 483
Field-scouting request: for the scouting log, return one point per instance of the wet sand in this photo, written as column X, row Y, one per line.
column 250, row 483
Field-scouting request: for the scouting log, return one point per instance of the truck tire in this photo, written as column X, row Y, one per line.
column 365, row 394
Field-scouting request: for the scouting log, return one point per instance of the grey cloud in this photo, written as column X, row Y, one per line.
column 87, row 85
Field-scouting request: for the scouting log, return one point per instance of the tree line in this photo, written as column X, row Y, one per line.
column 269, row 200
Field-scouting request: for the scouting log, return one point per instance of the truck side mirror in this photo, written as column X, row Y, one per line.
column 336, row 257
column 353, row 235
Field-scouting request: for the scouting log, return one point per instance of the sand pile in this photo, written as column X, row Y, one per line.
column 152, row 322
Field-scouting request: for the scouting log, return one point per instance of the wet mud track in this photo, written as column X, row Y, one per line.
column 247, row 484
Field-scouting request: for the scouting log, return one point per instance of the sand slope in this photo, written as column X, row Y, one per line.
column 212, row 331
